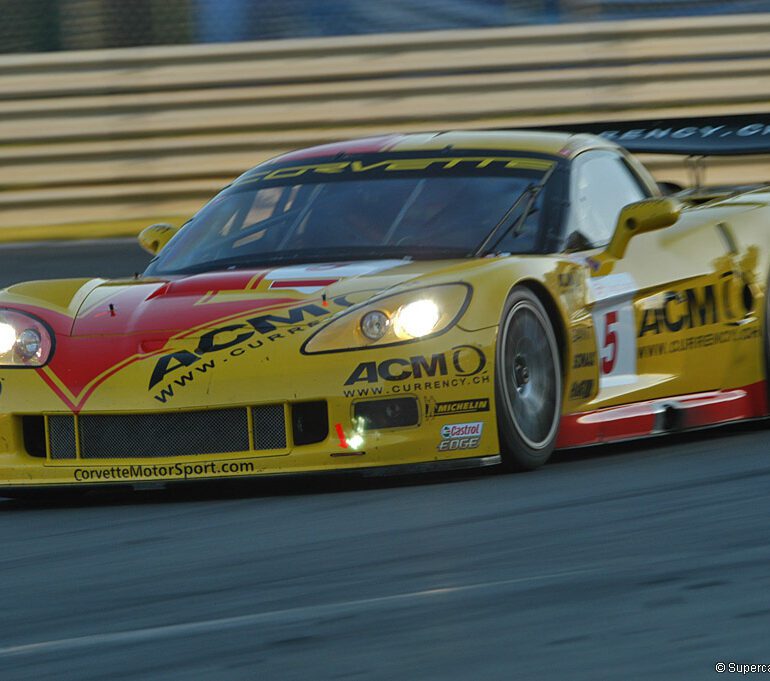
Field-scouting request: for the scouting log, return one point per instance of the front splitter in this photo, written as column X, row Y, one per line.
column 363, row 472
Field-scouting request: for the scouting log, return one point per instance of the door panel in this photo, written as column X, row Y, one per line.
column 672, row 319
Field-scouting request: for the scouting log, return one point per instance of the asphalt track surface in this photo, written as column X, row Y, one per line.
column 642, row 561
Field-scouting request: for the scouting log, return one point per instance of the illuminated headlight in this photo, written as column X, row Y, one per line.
column 7, row 338
column 396, row 318
column 25, row 341
column 417, row 319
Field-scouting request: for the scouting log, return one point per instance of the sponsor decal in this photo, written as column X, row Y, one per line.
column 705, row 340
column 584, row 359
column 168, row 392
column 569, row 279
column 611, row 286
column 461, row 429
column 581, row 390
column 433, row 408
column 695, row 136
column 176, row 471
column 346, row 169
column 418, row 386
column 693, row 308
column 687, row 132
column 460, row 436
column 183, row 366
column 465, row 360
column 571, row 282
column 580, row 334
column 466, row 364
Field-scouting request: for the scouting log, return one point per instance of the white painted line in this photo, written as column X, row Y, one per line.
column 287, row 615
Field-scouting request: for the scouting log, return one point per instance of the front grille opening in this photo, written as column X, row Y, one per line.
column 158, row 435
column 214, row 431
column 33, row 428
column 61, row 432
column 398, row 412
column 269, row 426
column 309, row 422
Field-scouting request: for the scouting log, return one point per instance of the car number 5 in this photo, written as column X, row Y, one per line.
column 616, row 337
column 610, row 346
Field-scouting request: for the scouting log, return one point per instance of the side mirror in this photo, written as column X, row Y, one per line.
column 640, row 217
column 153, row 238
column 670, row 188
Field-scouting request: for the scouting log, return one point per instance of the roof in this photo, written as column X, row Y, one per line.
column 551, row 143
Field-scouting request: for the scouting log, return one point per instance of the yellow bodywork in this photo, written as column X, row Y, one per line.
column 682, row 311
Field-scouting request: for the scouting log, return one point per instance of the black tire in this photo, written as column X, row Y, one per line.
column 528, row 382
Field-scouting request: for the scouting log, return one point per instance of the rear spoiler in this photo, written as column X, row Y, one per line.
column 732, row 135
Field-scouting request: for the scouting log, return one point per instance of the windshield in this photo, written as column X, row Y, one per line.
column 434, row 207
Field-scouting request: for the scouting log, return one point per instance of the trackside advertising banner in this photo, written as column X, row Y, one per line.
column 735, row 135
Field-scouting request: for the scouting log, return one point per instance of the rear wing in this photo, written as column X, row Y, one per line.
column 692, row 137
column 732, row 135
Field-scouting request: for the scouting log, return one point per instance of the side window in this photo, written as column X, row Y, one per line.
column 601, row 185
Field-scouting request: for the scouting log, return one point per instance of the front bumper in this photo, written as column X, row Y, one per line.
column 451, row 390
column 423, row 468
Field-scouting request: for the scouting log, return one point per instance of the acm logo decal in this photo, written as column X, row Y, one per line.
column 464, row 360
column 696, row 307
column 243, row 334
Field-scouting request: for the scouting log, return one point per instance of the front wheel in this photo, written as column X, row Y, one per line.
column 528, row 384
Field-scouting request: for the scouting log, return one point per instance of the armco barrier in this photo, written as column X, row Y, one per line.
column 101, row 143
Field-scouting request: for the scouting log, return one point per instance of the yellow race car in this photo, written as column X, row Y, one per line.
column 395, row 303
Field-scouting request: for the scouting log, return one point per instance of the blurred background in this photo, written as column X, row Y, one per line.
column 116, row 114
column 46, row 25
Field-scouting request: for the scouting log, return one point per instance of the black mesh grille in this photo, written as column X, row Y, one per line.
column 214, row 431
column 61, row 432
column 157, row 435
column 269, row 427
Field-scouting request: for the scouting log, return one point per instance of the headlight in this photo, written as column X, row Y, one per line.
column 393, row 319
column 417, row 319
column 25, row 341
column 7, row 338
column 374, row 324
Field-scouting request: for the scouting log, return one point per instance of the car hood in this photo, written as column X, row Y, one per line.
column 162, row 307
column 113, row 334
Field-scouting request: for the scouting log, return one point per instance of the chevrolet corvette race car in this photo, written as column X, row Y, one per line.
column 396, row 303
